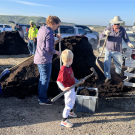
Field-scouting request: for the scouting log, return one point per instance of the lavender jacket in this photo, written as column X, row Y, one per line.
column 45, row 44
column 114, row 41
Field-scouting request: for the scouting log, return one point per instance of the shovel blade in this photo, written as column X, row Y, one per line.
column 4, row 73
column 98, row 65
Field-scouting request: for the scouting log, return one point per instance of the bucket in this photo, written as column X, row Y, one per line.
column 86, row 103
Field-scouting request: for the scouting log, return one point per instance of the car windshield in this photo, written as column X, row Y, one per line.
column 86, row 29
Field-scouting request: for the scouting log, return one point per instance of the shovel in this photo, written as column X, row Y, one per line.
column 97, row 60
column 76, row 84
column 60, row 47
column 7, row 71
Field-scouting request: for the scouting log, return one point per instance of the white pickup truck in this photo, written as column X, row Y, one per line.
column 130, row 64
column 67, row 31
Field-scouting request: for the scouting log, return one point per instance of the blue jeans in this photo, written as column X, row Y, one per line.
column 117, row 59
column 32, row 46
column 45, row 74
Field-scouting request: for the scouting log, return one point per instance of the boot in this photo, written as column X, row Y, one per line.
column 107, row 80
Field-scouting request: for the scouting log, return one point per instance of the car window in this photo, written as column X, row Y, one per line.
column 24, row 28
column 1, row 26
column 65, row 30
column 7, row 26
column 62, row 30
column 86, row 29
column 81, row 31
column 69, row 30
column 131, row 38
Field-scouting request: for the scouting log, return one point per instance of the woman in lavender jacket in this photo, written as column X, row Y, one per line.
column 43, row 56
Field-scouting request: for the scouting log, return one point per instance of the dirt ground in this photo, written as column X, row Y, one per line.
column 113, row 116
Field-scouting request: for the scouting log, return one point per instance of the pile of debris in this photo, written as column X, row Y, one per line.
column 12, row 44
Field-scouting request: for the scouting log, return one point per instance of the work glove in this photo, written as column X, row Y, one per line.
column 107, row 32
column 130, row 45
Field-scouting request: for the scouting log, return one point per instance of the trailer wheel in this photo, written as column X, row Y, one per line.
column 124, row 51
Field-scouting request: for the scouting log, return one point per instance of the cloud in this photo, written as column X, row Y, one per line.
column 30, row 3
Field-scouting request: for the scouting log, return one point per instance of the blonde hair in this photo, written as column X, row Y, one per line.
column 66, row 55
column 52, row 19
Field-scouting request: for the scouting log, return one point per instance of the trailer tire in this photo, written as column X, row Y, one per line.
column 124, row 51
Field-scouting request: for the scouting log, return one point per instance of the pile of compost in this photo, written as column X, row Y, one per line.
column 83, row 59
column 11, row 43
column 87, row 92
column 23, row 80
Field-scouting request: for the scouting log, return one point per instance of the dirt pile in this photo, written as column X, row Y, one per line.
column 83, row 59
column 23, row 80
column 87, row 92
column 12, row 44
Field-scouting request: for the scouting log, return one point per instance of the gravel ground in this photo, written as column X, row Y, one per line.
column 113, row 116
column 23, row 117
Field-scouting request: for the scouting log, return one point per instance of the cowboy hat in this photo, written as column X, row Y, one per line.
column 116, row 20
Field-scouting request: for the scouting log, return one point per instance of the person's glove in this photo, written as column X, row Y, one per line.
column 130, row 45
column 107, row 32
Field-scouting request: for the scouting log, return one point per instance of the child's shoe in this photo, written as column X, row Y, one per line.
column 72, row 114
column 66, row 123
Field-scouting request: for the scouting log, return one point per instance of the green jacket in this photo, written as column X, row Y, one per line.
column 32, row 33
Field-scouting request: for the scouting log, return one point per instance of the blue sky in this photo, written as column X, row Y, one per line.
column 87, row 12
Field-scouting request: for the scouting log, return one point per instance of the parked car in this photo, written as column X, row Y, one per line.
column 124, row 45
column 7, row 27
column 67, row 31
column 88, row 30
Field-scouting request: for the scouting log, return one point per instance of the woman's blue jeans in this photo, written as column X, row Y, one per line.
column 117, row 59
column 45, row 74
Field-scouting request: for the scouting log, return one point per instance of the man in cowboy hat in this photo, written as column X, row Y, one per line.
column 32, row 37
column 114, row 46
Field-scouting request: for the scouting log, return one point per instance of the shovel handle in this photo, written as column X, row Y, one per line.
column 103, row 47
column 62, row 93
column 21, row 62
column 60, row 47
